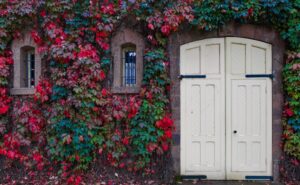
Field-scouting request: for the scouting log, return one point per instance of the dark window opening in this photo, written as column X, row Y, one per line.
column 29, row 64
column 129, row 66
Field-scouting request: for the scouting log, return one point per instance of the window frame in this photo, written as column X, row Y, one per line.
column 121, row 39
column 128, row 48
column 27, row 60
column 20, row 48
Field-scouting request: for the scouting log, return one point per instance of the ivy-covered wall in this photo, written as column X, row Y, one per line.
column 73, row 119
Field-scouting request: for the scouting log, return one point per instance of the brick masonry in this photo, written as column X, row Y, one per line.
column 256, row 32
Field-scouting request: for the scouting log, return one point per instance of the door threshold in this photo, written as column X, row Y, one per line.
column 193, row 177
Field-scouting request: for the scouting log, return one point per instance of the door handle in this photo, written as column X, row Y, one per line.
column 234, row 131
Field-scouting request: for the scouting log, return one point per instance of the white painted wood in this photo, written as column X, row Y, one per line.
column 238, row 58
column 248, row 112
column 202, row 109
column 248, row 109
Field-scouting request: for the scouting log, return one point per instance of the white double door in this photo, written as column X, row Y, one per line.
column 226, row 108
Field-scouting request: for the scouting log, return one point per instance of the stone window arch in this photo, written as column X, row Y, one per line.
column 127, row 52
column 27, row 65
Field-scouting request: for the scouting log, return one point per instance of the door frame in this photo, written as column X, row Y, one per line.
column 255, row 32
column 227, row 108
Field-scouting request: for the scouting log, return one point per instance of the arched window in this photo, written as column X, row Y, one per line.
column 127, row 48
column 27, row 65
column 129, row 65
column 27, row 72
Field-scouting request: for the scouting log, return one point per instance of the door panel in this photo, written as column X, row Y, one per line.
column 203, row 117
column 246, row 56
column 211, row 62
column 258, row 60
column 205, row 57
column 248, row 109
column 202, row 110
column 238, row 58
column 248, row 119
column 192, row 61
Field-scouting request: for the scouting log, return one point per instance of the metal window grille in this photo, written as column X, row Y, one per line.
column 129, row 67
column 30, row 69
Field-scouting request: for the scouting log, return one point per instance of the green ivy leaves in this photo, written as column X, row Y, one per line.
column 291, row 78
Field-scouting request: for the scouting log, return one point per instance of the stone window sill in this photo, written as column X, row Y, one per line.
column 125, row 90
column 22, row 91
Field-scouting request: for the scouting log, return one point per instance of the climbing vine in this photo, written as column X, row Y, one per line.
column 73, row 118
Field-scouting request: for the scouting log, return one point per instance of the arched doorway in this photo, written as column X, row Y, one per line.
column 226, row 108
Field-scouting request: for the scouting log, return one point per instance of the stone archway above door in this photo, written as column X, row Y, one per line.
column 255, row 32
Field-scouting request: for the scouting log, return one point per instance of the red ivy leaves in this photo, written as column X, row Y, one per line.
column 108, row 9
column 37, row 39
column 151, row 147
column 250, row 12
column 11, row 149
column 38, row 158
column 104, row 92
column 134, row 105
column 11, row 146
column 5, row 61
column 125, row 108
column 101, row 39
column 289, row 112
column 74, row 180
column 151, row 26
column 170, row 18
column 166, row 124
column 43, row 91
column 102, row 75
column 165, row 146
column 125, row 140
column 4, row 101
column 43, row 13
column 4, row 109
column 165, row 29
column 88, row 52
column 28, row 115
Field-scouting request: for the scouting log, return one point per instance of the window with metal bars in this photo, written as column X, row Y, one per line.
column 30, row 69
column 129, row 66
